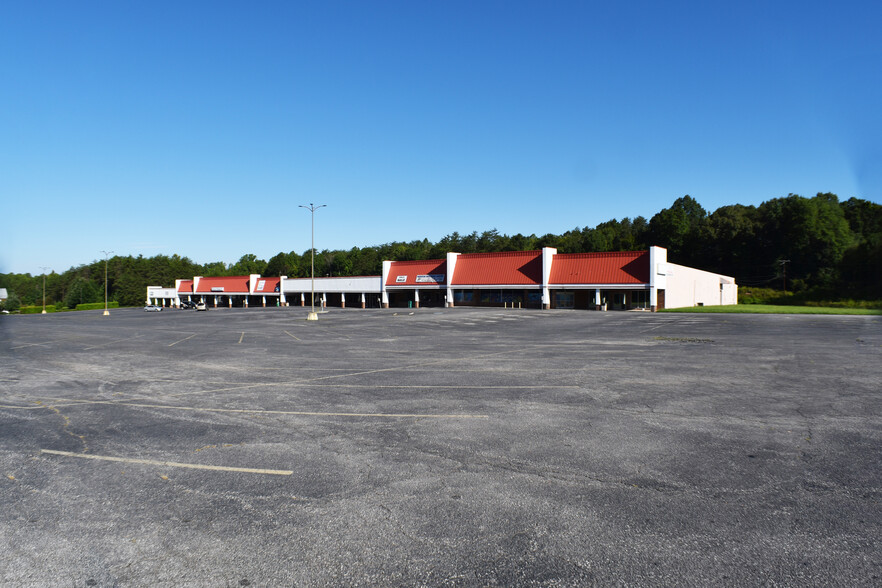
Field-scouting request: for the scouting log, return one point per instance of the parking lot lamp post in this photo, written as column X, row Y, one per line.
column 44, row 288
column 312, row 208
column 106, row 255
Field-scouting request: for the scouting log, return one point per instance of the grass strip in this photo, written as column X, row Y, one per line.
column 774, row 309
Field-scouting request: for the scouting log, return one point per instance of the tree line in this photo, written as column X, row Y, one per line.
column 820, row 244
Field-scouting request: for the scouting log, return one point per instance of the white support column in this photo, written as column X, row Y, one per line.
column 362, row 299
column 264, row 301
column 342, row 300
column 597, row 299
column 384, row 295
column 416, row 298
column 548, row 254
column 451, row 269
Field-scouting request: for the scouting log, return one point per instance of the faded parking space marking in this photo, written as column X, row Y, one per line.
column 181, row 340
column 280, row 412
column 111, row 343
column 32, row 345
column 172, row 464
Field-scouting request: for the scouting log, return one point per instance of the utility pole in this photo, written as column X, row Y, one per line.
column 44, row 268
column 106, row 256
column 312, row 208
column 784, row 263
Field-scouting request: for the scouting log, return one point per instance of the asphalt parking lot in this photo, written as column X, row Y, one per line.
column 440, row 447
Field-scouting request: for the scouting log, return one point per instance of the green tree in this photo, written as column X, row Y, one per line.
column 811, row 232
column 731, row 244
column 519, row 242
column 82, row 291
column 247, row 264
column 864, row 218
column 681, row 229
column 283, row 264
column 11, row 303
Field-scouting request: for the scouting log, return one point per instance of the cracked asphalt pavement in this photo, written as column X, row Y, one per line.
column 439, row 447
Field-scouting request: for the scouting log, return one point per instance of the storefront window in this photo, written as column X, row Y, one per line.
column 640, row 299
column 462, row 297
column 564, row 300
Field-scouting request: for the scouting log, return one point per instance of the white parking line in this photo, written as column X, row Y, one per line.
column 182, row 340
column 110, row 343
column 172, row 464
column 32, row 345
column 282, row 412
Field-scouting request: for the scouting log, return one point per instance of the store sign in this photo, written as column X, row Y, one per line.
column 430, row 279
column 400, row 279
column 260, row 285
column 217, row 289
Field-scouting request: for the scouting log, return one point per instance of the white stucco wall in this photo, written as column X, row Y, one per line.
column 354, row 285
column 688, row 286
column 159, row 292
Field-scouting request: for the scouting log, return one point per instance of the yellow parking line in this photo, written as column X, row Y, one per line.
column 173, row 464
column 242, row 337
column 290, row 335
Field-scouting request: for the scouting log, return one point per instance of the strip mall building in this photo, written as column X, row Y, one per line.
column 626, row 280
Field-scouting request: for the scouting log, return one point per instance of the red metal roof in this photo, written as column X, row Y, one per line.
column 503, row 268
column 620, row 267
column 266, row 285
column 230, row 284
column 425, row 272
column 186, row 286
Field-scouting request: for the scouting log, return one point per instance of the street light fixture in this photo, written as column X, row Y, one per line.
column 106, row 256
column 44, row 268
column 312, row 208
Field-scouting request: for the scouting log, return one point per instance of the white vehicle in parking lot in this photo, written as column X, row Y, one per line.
column 201, row 306
column 153, row 308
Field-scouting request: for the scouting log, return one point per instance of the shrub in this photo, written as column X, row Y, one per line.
column 36, row 309
column 97, row 305
column 11, row 304
column 816, row 297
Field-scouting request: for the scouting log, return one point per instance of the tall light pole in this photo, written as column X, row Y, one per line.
column 44, row 268
column 106, row 256
column 312, row 208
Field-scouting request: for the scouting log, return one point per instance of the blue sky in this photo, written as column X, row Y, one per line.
column 198, row 128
